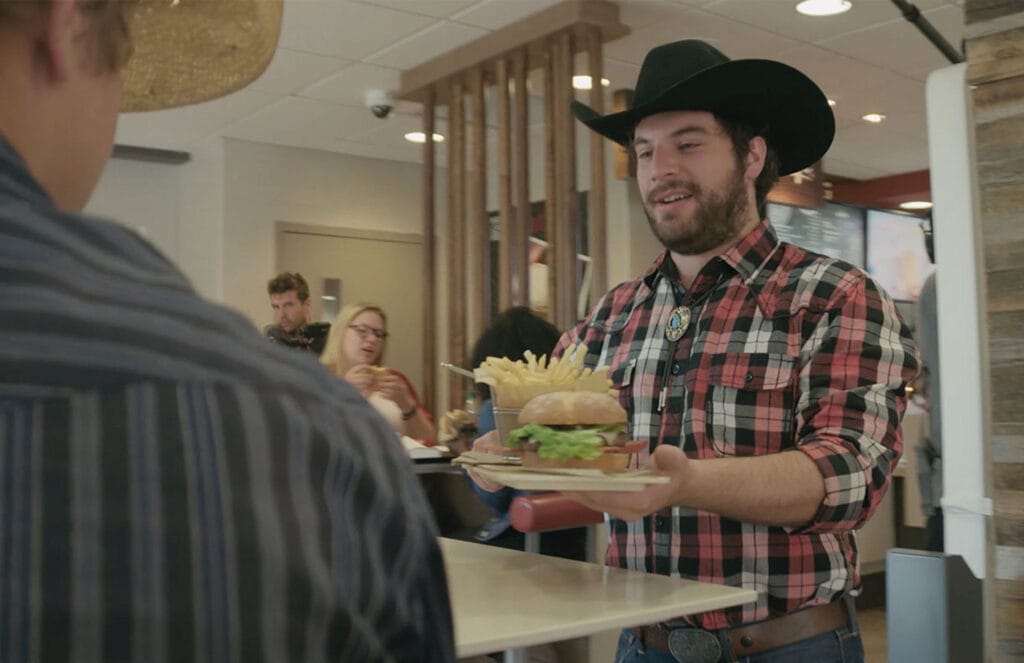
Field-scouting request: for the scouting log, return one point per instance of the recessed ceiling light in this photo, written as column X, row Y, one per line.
column 916, row 205
column 823, row 7
column 874, row 118
column 583, row 82
column 420, row 137
column 831, row 102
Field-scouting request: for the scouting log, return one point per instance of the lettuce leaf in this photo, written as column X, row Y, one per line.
column 563, row 444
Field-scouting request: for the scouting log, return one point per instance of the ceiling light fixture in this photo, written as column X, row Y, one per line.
column 831, row 102
column 916, row 205
column 873, row 118
column 583, row 82
column 823, row 7
column 420, row 137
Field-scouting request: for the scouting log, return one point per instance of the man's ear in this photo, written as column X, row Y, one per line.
column 754, row 161
column 56, row 45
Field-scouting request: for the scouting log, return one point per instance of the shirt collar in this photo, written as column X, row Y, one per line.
column 15, row 177
column 745, row 258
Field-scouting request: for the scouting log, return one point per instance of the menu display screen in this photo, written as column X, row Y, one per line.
column 834, row 230
column 896, row 253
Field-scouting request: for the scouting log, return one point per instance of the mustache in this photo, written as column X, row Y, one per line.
column 659, row 191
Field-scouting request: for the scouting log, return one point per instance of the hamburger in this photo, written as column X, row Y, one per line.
column 577, row 429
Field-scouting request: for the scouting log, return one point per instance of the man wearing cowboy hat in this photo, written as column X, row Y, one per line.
column 768, row 380
column 172, row 487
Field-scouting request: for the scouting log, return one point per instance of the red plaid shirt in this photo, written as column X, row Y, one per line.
column 786, row 350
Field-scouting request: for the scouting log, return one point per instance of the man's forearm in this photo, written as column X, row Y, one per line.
column 783, row 489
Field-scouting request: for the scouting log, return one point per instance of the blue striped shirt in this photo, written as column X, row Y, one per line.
column 175, row 488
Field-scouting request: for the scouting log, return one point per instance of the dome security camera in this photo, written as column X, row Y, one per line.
column 379, row 102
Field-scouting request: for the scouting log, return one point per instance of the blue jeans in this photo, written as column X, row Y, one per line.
column 840, row 646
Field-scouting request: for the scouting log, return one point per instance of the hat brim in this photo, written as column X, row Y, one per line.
column 775, row 98
column 197, row 50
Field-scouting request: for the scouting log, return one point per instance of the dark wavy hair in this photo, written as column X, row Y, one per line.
column 286, row 281
column 513, row 332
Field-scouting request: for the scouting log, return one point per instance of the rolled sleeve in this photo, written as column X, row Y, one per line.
column 855, row 369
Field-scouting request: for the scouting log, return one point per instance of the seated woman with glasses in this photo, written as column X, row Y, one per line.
column 354, row 351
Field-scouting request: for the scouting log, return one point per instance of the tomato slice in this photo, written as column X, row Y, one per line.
column 630, row 447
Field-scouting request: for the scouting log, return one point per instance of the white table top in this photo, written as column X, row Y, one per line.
column 505, row 598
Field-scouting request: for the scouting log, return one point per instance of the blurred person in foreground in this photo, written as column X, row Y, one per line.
column 512, row 333
column 768, row 381
column 174, row 488
column 355, row 351
column 293, row 326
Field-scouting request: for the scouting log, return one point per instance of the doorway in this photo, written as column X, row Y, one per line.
column 350, row 266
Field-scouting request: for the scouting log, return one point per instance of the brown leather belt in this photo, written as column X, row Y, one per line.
column 750, row 639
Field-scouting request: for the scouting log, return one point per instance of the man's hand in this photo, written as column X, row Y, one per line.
column 487, row 443
column 666, row 459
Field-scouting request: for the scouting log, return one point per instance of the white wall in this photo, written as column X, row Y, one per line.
column 265, row 183
column 143, row 196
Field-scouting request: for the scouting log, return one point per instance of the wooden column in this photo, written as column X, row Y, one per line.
column 520, row 185
column 429, row 259
column 597, row 240
column 565, row 227
column 551, row 171
column 478, row 245
column 504, row 187
column 456, row 239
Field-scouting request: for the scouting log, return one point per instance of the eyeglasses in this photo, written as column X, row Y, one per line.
column 365, row 331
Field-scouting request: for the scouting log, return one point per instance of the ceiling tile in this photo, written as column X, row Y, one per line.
column 349, row 85
column 781, row 17
column 899, row 44
column 292, row 70
column 856, row 171
column 308, row 117
column 345, row 29
column 435, row 8
column 641, row 13
column 435, row 40
column 885, row 150
column 494, row 14
column 181, row 127
column 733, row 39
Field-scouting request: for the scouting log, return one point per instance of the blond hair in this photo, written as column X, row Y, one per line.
column 331, row 356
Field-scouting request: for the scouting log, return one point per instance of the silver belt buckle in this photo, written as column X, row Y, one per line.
column 694, row 645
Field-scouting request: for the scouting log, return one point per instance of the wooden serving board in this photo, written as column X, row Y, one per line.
column 528, row 478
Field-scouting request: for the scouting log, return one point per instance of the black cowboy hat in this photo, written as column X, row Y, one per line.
column 779, row 102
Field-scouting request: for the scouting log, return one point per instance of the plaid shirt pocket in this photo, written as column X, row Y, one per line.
column 749, row 403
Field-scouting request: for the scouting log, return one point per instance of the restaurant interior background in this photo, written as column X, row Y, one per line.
column 220, row 186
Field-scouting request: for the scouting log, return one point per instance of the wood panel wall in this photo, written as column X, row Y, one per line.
column 995, row 57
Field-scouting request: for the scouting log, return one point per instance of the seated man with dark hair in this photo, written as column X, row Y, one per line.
column 289, row 297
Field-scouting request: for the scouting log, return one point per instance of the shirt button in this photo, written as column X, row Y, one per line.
column 677, row 368
column 746, row 641
column 748, row 377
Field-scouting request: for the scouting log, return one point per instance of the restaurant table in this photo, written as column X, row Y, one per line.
column 503, row 599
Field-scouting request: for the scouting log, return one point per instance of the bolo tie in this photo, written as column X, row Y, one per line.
column 678, row 324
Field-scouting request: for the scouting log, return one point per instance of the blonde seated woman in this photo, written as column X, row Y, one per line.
column 354, row 351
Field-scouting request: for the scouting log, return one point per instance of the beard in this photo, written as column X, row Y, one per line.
column 719, row 216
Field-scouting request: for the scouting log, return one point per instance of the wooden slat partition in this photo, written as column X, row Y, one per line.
column 456, row 238
column 504, row 188
column 597, row 240
column 548, row 39
column 429, row 257
column 479, row 233
column 520, row 184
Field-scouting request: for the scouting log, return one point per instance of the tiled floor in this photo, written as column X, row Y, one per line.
column 872, row 633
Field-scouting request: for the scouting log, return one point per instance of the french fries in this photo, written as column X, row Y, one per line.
column 516, row 381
